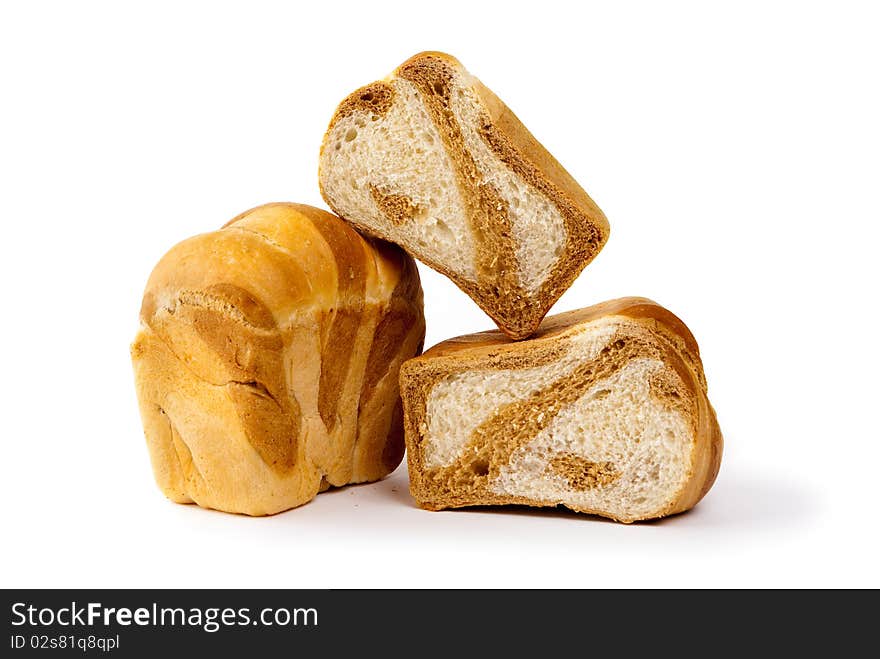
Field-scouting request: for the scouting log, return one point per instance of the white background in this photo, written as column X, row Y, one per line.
column 735, row 151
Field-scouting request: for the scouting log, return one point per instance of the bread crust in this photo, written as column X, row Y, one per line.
column 649, row 325
column 496, row 289
column 266, row 361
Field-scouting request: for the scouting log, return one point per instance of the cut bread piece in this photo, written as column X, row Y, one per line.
column 603, row 411
column 432, row 160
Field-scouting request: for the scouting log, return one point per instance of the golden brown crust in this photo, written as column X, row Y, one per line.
column 654, row 332
column 497, row 288
column 264, row 366
column 632, row 307
column 344, row 320
column 270, row 424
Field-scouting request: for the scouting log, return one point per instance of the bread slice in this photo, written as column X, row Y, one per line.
column 432, row 160
column 603, row 411
column 267, row 359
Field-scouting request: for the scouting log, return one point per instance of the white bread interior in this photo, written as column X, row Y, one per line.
column 462, row 401
column 421, row 170
column 356, row 156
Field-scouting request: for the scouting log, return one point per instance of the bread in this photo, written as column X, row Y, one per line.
column 603, row 411
column 267, row 359
column 432, row 160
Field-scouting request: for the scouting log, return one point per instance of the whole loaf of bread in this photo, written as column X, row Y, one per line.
column 267, row 360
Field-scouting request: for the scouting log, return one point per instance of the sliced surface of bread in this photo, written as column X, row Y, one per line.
column 431, row 159
column 266, row 364
column 603, row 411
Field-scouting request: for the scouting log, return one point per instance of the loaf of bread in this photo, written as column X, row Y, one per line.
column 432, row 160
column 267, row 360
column 603, row 411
